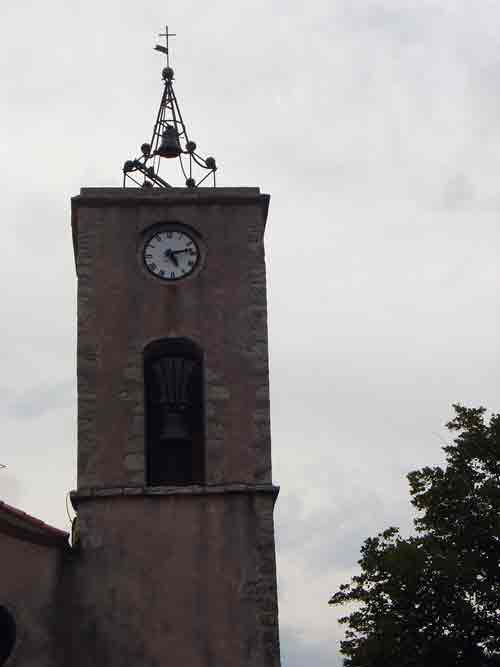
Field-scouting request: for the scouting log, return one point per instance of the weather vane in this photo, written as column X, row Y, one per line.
column 170, row 140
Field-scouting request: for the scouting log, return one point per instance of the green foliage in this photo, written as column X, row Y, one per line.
column 433, row 599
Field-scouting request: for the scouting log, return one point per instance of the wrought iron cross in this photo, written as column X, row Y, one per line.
column 164, row 49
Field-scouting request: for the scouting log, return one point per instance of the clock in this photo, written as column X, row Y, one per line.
column 171, row 253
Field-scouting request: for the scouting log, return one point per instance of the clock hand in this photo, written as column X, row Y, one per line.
column 169, row 254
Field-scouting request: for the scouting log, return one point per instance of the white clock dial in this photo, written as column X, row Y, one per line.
column 171, row 254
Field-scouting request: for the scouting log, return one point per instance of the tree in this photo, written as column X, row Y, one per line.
column 433, row 599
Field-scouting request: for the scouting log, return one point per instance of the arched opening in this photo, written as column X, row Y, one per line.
column 7, row 634
column 173, row 375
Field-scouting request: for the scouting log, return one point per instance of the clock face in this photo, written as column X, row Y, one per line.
column 171, row 254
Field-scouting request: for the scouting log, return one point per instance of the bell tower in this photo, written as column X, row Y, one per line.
column 176, row 556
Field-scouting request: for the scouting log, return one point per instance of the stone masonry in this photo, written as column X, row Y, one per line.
column 172, row 575
column 121, row 308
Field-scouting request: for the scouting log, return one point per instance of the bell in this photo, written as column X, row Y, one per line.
column 174, row 427
column 170, row 145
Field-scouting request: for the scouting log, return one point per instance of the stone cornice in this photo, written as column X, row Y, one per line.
column 175, row 196
column 97, row 493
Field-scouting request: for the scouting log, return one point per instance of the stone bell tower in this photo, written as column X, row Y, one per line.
column 175, row 563
column 174, row 499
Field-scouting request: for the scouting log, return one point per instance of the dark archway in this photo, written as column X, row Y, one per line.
column 7, row 634
column 173, row 376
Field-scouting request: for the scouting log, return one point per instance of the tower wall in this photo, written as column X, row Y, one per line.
column 180, row 575
column 182, row 579
column 121, row 308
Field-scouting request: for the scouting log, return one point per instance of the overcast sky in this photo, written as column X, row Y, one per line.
column 375, row 126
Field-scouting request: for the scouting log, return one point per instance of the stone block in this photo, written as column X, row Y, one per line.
column 218, row 393
column 134, row 462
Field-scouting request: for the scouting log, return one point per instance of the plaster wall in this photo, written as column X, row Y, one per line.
column 29, row 588
column 182, row 579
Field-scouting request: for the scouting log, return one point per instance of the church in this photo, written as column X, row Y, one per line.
column 171, row 560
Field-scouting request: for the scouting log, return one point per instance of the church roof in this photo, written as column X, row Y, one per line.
column 23, row 526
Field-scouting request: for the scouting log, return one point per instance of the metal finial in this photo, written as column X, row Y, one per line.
column 170, row 139
column 164, row 49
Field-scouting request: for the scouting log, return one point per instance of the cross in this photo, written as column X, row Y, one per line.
column 164, row 49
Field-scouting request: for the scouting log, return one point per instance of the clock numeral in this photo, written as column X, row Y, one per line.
column 169, row 235
column 148, row 256
column 158, row 237
column 188, row 244
column 152, row 266
column 172, row 275
column 191, row 263
column 162, row 273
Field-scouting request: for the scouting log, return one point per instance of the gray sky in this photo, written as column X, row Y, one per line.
column 375, row 126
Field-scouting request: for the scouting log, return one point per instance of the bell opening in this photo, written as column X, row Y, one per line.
column 174, row 427
column 173, row 375
column 174, row 463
